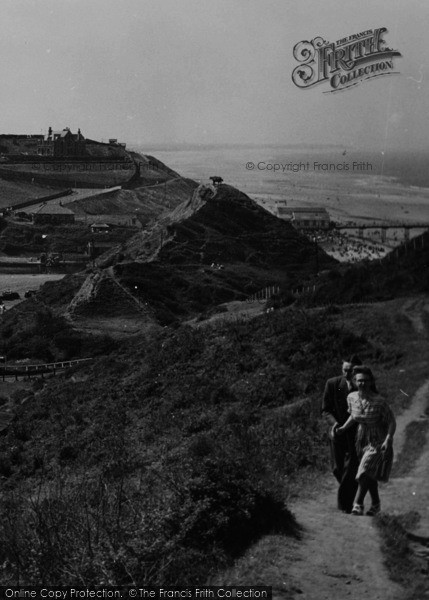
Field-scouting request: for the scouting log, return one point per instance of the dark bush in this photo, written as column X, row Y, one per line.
column 221, row 506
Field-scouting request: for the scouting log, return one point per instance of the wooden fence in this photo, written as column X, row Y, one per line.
column 417, row 243
column 32, row 370
column 263, row 295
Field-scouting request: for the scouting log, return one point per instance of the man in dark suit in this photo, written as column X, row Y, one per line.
column 344, row 460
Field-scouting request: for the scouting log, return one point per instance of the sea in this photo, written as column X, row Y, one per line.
column 196, row 161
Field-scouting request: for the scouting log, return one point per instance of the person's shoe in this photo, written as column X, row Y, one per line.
column 374, row 509
column 357, row 510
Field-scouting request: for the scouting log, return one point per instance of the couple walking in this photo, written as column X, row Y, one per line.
column 361, row 429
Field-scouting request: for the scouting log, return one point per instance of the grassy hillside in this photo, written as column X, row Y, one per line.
column 215, row 248
column 14, row 192
column 162, row 462
column 36, row 332
column 146, row 202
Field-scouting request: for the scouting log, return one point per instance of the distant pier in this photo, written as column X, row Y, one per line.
column 382, row 227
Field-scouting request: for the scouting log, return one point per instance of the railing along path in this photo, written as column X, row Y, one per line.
column 29, row 370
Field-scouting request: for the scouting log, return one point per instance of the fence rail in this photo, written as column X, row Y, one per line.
column 417, row 243
column 41, row 199
column 264, row 294
column 28, row 370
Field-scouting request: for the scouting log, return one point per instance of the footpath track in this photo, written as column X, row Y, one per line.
column 339, row 556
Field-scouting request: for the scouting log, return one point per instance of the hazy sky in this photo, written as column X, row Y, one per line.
column 207, row 71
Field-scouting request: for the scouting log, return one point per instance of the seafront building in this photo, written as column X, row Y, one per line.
column 305, row 218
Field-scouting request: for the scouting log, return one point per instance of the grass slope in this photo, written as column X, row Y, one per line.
column 14, row 192
column 162, row 462
column 175, row 265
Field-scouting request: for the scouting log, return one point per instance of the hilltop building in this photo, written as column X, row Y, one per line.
column 305, row 218
column 114, row 142
column 62, row 143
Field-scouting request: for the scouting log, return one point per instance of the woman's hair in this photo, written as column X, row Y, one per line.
column 364, row 370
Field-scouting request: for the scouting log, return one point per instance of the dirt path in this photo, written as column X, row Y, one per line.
column 414, row 309
column 339, row 556
column 411, row 492
column 236, row 310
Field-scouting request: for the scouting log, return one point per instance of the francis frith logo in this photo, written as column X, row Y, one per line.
column 343, row 63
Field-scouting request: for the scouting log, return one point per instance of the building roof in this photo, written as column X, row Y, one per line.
column 54, row 134
column 310, row 217
column 62, row 133
column 311, row 209
column 52, row 209
column 303, row 212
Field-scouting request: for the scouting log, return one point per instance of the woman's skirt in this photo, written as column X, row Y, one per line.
column 375, row 464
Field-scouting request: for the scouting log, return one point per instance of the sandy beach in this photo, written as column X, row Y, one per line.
column 373, row 199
